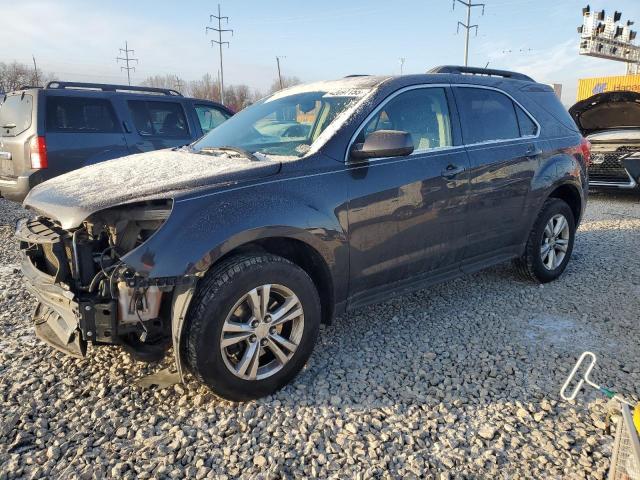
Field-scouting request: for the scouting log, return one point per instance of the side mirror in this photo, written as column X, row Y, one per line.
column 384, row 143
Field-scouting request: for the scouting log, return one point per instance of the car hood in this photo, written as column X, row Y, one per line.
column 162, row 174
column 606, row 111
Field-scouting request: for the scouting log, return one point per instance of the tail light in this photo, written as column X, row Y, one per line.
column 585, row 150
column 38, row 152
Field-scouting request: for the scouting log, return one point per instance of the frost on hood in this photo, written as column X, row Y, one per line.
column 145, row 176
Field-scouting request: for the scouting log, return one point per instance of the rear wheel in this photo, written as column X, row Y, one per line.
column 252, row 326
column 550, row 243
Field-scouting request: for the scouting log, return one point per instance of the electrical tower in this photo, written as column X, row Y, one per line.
column 279, row 72
column 467, row 26
column 179, row 84
column 402, row 60
column 127, row 59
column 219, row 42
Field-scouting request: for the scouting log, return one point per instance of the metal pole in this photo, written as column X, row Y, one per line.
column 220, row 45
column 126, row 49
column 466, row 43
column 279, row 73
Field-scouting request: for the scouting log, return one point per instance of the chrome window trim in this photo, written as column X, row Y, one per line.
column 452, row 147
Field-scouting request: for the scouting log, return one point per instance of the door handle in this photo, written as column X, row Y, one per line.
column 532, row 151
column 451, row 171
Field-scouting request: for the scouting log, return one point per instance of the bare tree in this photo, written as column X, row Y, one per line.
column 160, row 81
column 286, row 83
column 206, row 88
column 15, row 75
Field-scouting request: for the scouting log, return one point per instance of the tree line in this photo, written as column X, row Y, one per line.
column 14, row 76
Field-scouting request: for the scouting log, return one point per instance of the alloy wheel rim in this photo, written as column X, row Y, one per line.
column 555, row 242
column 262, row 332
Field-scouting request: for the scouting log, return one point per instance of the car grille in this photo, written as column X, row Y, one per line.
column 607, row 167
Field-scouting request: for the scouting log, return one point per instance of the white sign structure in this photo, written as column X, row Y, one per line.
column 607, row 37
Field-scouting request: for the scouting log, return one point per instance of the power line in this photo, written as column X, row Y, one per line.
column 279, row 72
column 467, row 26
column 220, row 31
column 127, row 60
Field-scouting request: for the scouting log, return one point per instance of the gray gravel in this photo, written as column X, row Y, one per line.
column 457, row 381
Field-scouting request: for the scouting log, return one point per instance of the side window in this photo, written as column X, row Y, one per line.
column 421, row 112
column 210, row 117
column 162, row 119
column 527, row 126
column 486, row 115
column 80, row 115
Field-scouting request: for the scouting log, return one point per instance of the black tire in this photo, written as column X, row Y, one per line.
column 530, row 265
column 216, row 295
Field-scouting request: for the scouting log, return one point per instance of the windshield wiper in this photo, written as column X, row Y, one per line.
column 240, row 151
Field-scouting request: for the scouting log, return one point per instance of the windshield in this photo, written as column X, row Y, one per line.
column 283, row 124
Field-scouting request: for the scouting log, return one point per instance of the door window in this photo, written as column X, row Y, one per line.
column 80, row 115
column 15, row 115
column 487, row 115
column 161, row 119
column 527, row 126
column 422, row 112
column 210, row 117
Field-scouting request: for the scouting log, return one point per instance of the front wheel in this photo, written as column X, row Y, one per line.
column 550, row 243
column 252, row 326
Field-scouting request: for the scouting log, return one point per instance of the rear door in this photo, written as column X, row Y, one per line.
column 81, row 130
column 157, row 124
column 17, row 126
column 504, row 150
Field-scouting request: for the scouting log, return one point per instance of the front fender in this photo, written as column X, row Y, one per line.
column 200, row 230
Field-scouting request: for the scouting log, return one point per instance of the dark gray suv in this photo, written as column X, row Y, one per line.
column 65, row 126
column 312, row 202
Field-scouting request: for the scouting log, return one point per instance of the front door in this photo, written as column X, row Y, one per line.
column 407, row 214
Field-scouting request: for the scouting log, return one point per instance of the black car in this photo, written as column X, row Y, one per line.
column 611, row 122
column 45, row 132
column 236, row 248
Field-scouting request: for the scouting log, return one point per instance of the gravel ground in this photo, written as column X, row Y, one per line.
column 457, row 381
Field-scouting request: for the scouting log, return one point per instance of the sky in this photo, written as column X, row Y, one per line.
column 79, row 40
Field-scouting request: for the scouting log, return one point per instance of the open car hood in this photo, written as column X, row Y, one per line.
column 161, row 174
column 607, row 111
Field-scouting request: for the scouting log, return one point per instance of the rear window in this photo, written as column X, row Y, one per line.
column 80, row 115
column 161, row 119
column 487, row 115
column 15, row 114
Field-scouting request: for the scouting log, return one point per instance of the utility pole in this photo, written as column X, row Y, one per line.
column 402, row 60
column 179, row 84
column 279, row 72
column 35, row 69
column 127, row 59
column 467, row 26
column 220, row 31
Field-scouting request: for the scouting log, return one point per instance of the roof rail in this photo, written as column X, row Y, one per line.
column 27, row 87
column 112, row 88
column 481, row 71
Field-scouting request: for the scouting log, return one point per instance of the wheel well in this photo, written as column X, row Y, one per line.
column 570, row 195
column 303, row 255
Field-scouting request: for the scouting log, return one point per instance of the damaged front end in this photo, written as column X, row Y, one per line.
column 88, row 294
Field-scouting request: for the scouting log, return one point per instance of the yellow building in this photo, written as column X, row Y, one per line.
column 590, row 86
